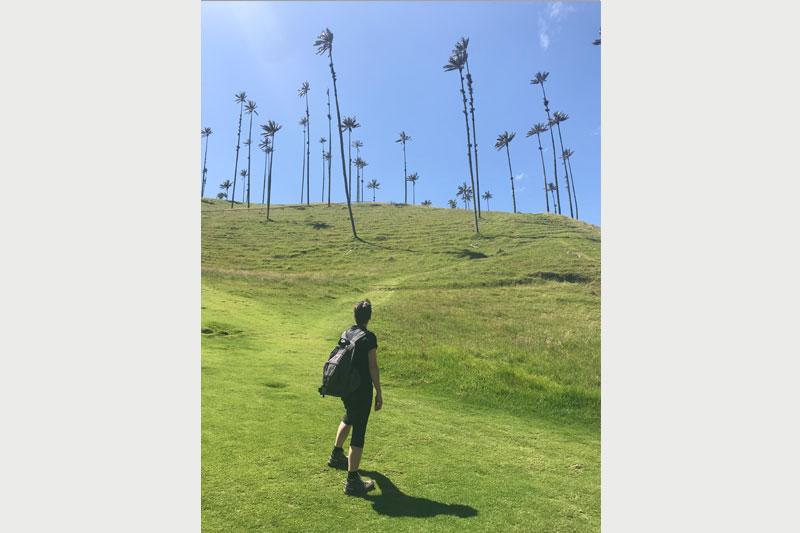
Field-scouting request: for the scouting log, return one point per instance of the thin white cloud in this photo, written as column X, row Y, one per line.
column 544, row 38
column 519, row 176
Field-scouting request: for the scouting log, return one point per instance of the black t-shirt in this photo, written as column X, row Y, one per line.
column 361, row 359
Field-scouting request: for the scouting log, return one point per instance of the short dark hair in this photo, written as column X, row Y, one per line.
column 362, row 312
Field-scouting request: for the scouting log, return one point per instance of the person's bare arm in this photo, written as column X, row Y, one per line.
column 372, row 356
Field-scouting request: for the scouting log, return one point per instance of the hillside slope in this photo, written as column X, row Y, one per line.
column 488, row 344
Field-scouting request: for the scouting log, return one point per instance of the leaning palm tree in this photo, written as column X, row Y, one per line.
column 540, row 78
column 412, row 178
column 243, row 174
column 568, row 154
column 403, row 139
column 558, row 118
column 304, row 92
column 487, row 196
column 205, row 132
column 349, row 124
column 452, row 203
column 357, row 145
column 322, row 141
column 250, row 109
column 324, row 43
column 536, row 130
column 240, row 99
column 270, row 130
column 303, row 122
column 374, row 185
column 503, row 141
column 330, row 140
column 456, row 62
column 551, row 188
column 461, row 46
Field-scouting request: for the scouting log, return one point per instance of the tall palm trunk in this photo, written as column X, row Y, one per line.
column 349, row 153
column 513, row 197
column 266, row 162
column 205, row 155
column 341, row 142
column 330, row 140
column 414, row 191
column 303, row 180
column 566, row 172
column 308, row 155
column 475, row 136
column 574, row 192
column 249, row 145
column 544, row 173
column 236, row 166
column 323, row 175
column 269, row 176
column 469, row 147
column 405, row 175
column 551, row 194
column 553, row 140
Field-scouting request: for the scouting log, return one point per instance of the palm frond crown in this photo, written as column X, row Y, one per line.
column 503, row 139
column 303, row 89
column 241, row 97
column 324, row 42
column 540, row 78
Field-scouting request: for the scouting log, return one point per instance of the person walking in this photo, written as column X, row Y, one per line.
column 359, row 403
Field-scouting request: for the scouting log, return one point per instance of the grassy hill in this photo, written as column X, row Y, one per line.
column 489, row 348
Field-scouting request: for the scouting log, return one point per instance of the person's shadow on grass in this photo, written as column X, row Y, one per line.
column 392, row 502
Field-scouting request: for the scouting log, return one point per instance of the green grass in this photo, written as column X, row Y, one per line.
column 489, row 348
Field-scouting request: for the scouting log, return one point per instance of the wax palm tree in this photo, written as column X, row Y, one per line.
column 568, row 154
column 487, row 196
column 503, row 140
column 243, row 174
column 456, row 62
column 540, row 78
column 205, row 132
column 403, row 139
column 322, row 141
column 461, row 46
column 465, row 192
column 349, row 124
column 558, row 118
column 357, row 145
column 452, row 203
column 270, row 129
column 324, row 43
column 551, row 188
column 327, row 156
column 412, row 178
column 536, row 130
column 264, row 146
column 225, row 185
column 330, row 140
column 304, row 92
column 303, row 122
column 426, row 202
column 360, row 164
column 240, row 99
column 250, row 109
column 374, row 185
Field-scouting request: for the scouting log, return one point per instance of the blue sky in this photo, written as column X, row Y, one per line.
column 388, row 58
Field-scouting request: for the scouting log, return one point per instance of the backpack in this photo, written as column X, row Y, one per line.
column 339, row 378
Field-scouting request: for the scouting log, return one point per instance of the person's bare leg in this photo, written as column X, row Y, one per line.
column 355, row 458
column 341, row 435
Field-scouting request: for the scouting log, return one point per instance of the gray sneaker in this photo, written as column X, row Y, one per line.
column 338, row 459
column 357, row 486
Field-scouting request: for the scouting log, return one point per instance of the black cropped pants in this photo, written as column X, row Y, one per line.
column 358, row 406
